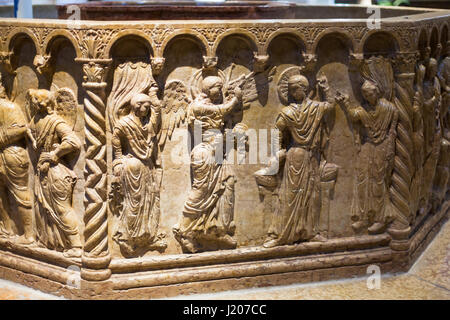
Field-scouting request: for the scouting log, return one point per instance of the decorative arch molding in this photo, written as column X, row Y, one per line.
column 243, row 34
column 341, row 34
column 54, row 35
column 191, row 35
column 289, row 33
column 22, row 32
column 139, row 35
column 395, row 37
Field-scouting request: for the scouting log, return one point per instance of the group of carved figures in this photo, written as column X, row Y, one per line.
column 49, row 133
column 303, row 180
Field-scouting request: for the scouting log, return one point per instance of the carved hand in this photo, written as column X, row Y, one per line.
column 49, row 157
column 238, row 93
column 322, row 85
column 43, row 167
column 31, row 137
column 117, row 166
column 342, row 99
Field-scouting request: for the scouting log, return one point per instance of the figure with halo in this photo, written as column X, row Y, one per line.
column 298, row 162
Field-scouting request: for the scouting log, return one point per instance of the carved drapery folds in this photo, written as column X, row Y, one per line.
column 51, row 133
column 359, row 149
column 135, row 118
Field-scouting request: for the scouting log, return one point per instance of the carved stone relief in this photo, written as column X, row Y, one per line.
column 52, row 138
column 14, row 194
column 296, row 139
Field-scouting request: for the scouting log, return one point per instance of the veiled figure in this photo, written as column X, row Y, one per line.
column 207, row 218
column 374, row 126
column 300, row 128
column 53, row 138
column 138, row 201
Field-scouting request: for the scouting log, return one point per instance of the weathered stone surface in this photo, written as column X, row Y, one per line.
column 166, row 157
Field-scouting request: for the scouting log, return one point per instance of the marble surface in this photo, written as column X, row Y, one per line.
column 429, row 278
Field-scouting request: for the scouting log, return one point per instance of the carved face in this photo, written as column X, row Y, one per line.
column 370, row 92
column 212, row 87
column 297, row 86
column 41, row 100
column 141, row 105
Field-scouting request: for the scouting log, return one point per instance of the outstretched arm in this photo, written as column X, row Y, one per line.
column 155, row 118
column 230, row 105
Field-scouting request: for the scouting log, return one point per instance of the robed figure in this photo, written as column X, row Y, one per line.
column 300, row 126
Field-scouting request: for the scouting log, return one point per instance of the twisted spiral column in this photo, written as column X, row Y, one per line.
column 404, row 169
column 400, row 189
column 96, row 257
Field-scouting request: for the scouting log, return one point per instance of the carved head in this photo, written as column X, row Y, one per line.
column 298, row 86
column 209, row 63
column 259, row 62
column 140, row 104
column 432, row 68
column 157, row 65
column 41, row 100
column 212, row 87
column 370, row 92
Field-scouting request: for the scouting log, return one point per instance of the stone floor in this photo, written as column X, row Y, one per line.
column 429, row 278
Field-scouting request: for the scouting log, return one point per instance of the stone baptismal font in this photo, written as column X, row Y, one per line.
column 151, row 150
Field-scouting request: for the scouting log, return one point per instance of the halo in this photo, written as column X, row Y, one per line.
column 283, row 90
column 195, row 82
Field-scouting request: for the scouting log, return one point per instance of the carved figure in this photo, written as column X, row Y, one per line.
column 207, row 215
column 300, row 126
column 441, row 180
column 431, row 130
column 374, row 126
column 135, row 114
column 14, row 162
column 53, row 139
column 134, row 144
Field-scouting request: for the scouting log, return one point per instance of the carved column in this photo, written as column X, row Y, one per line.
column 404, row 149
column 401, row 186
column 96, row 256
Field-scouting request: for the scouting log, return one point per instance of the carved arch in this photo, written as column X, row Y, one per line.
column 138, row 35
column 422, row 39
column 394, row 39
column 58, row 34
column 342, row 34
column 443, row 32
column 191, row 35
column 289, row 33
column 434, row 41
column 243, row 34
column 21, row 32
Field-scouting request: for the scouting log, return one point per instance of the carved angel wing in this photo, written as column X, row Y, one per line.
column 175, row 103
column 249, row 84
column 66, row 105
